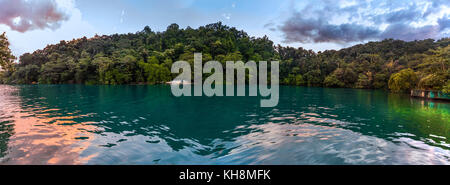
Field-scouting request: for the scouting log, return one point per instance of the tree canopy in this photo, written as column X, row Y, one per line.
column 147, row 56
column 6, row 57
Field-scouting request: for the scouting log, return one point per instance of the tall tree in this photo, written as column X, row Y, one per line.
column 403, row 81
column 6, row 57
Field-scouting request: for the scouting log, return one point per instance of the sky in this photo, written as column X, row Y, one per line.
column 312, row 24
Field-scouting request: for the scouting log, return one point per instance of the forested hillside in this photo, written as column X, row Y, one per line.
column 147, row 56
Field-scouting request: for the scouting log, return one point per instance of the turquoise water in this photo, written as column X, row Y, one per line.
column 76, row 124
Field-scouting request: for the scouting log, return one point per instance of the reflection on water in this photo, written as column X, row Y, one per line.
column 75, row 124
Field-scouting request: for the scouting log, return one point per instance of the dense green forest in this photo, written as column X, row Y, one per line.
column 146, row 57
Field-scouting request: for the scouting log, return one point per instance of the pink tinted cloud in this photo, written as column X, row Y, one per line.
column 22, row 15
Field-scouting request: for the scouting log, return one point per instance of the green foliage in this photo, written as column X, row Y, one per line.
column 313, row 77
column 341, row 77
column 6, row 57
column 143, row 57
column 2, row 77
column 116, row 72
column 333, row 81
column 147, row 56
column 363, row 82
column 52, row 73
column 27, row 75
column 403, row 81
column 380, row 81
column 86, row 70
column 155, row 73
column 294, row 80
column 438, row 60
column 446, row 88
column 433, row 82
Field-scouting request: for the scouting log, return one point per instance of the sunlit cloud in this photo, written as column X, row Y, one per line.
column 32, row 39
column 26, row 15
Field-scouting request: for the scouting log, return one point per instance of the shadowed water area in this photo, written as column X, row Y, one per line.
column 77, row 124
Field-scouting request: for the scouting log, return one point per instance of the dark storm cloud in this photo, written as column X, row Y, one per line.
column 22, row 15
column 444, row 23
column 302, row 30
column 409, row 33
column 315, row 22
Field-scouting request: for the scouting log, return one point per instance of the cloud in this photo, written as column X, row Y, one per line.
column 121, row 16
column 408, row 33
column 39, row 38
column 298, row 29
column 227, row 16
column 334, row 22
column 25, row 15
column 444, row 23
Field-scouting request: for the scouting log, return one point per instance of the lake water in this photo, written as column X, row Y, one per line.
column 76, row 124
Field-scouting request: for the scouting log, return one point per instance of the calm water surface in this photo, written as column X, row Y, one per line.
column 75, row 124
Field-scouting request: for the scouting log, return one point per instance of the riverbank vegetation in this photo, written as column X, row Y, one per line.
column 146, row 57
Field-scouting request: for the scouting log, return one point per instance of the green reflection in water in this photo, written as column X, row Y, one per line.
column 76, row 124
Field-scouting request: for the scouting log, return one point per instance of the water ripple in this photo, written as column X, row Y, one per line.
column 72, row 124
